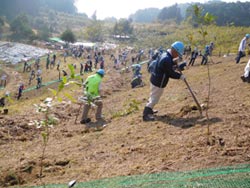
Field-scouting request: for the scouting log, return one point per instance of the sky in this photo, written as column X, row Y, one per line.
column 123, row 8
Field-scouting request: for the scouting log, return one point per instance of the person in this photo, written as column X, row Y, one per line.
column 54, row 58
column 39, row 82
column 37, row 62
column 58, row 65
column 242, row 47
column 137, row 76
column 89, row 63
column 194, row 55
column 92, row 91
column 39, row 72
column 102, row 64
column 246, row 76
column 136, row 69
column 2, row 101
column 162, row 71
column 25, row 66
column 205, row 55
column 81, row 68
column 65, row 54
column 48, row 62
column 187, row 51
column 32, row 76
column 211, row 48
column 64, row 73
column 20, row 91
column 3, row 80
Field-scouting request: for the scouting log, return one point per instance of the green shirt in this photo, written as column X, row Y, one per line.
column 92, row 85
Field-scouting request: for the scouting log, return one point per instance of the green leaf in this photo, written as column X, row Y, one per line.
column 45, row 137
column 54, row 92
column 60, row 99
column 61, row 86
column 78, row 77
column 64, row 79
column 70, row 97
column 72, row 71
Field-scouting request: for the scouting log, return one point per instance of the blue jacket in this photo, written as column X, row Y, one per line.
column 163, row 70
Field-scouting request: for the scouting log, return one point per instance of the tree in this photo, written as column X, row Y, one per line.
column 1, row 25
column 123, row 27
column 44, row 33
column 94, row 17
column 170, row 13
column 1, row 22
column 21, row 28
column 204, row 20
column 68, row 36
column 12, row 8
column 94, row 32
column 146, row 15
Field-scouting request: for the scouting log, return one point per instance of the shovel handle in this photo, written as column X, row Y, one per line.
column 195, row 99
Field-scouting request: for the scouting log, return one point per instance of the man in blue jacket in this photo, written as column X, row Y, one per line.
column 161, row 72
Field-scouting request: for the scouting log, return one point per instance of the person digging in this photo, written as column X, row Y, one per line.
column 92, row 90
column 162, row 70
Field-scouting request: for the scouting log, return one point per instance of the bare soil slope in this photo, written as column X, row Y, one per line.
column 177, row 141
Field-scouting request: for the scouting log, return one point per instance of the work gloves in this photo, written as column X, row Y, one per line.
column 183, row 77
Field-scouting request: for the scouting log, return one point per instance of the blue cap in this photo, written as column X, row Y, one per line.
column 179, row 48
column 101, row 72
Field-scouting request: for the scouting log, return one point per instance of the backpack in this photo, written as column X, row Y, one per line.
column 152, row 65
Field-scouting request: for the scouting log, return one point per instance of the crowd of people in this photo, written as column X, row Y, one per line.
column 162, row 66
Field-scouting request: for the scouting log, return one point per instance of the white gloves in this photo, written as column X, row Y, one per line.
column 183, row 77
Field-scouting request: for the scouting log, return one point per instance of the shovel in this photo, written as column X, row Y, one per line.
column 195, row 99
column 192, row 93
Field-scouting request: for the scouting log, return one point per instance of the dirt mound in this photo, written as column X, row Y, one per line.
column 16, row 129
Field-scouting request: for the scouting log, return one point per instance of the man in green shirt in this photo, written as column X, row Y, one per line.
column 92, row 87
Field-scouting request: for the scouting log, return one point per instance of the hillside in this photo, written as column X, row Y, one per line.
column 177, row 141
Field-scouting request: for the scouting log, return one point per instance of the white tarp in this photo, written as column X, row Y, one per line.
column 16, row 52
column 85, row 44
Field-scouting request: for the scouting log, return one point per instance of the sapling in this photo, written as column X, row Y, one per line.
column 203, row 21
column 45, row 124
column 49, row 120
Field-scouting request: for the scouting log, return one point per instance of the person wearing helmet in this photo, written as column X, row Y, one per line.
column 204, row 55
column 137, row 76
column 162, row 70
column 242, row 47
column 92, row 89
column 211, row 48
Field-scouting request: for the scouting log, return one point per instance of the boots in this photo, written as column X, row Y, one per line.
column 148, row 114
column 84, row 121
column 247, row 79
column 243, row 78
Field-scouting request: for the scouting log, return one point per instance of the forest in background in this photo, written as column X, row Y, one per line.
column 233, row 13
column 44, row 19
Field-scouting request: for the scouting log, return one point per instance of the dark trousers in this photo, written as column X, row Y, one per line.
column 191, row 62
column 239, row 56
column 204, row 60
